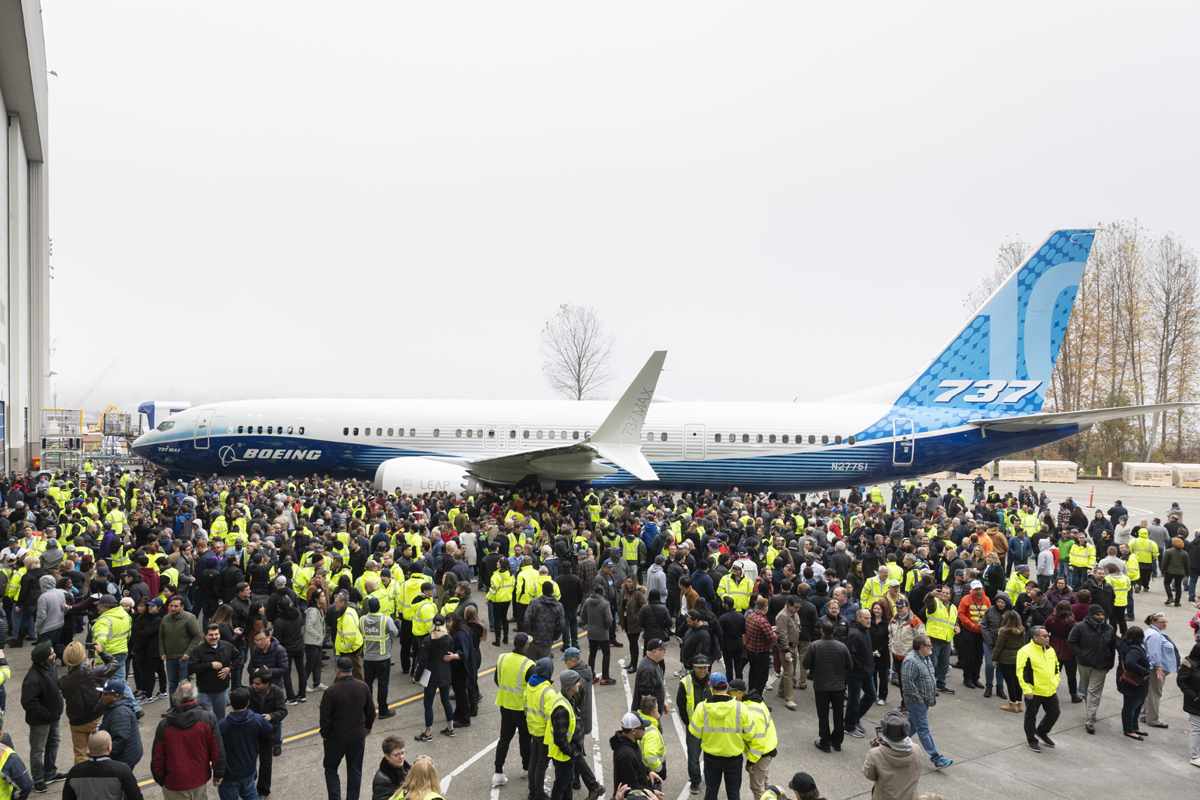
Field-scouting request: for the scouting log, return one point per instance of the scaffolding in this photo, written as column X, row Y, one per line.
column 62, row 439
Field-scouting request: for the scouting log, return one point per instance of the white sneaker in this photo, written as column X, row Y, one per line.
column 880, row 703
column 499, row 779
column 1195, row 762
column 320, row 687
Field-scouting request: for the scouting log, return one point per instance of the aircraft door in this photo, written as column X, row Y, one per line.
column 201, row 432
column 694, row 442
column 905, row 446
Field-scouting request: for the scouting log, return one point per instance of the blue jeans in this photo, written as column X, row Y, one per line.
column 1191, row 587
column 214, row 702
column 238, row 788
column 918, row 717
column 941, row 661
column 23, row 624
column 989, row 669
column 176, row 673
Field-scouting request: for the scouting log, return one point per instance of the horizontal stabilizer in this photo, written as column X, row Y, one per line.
column 1030, row 422
column 628, row 458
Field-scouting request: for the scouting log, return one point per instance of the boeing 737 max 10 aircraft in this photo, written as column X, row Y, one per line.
column 980, row 399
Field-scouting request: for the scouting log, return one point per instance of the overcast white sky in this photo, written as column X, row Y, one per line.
column 388, row 199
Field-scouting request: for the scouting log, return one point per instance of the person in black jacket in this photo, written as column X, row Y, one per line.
column 120, row 723
column 289, row 632
column 347, row 714
column 100, row 777
column 559, row 727
column 860, row 693
column 733, row 627
column 654, row 619
column 43, row 703
column 571, row 596
column 649, row 678
column 393, row 769
column 80, row 689
column 268, row 653
column 269, row 700
column 213, row 663
column 828, row 662
column 628, row 768
column 1092, row 639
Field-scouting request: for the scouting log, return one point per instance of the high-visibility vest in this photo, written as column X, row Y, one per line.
column 1083, row 556
column 543, row 580
column 939, row 623
column 765, row 738
column 423, row 615
column 349, row 638
column 387, row 604
column 722, row 727
column 501, row 590
column 629, row 549
column 6, row 788
column 1144, row 548
column 111, row 631
column 738, row 590
column 548, row 737
column 412, row 590
column 528, row 584
column 450, row 606
column 689, row 693
column 1133, row 567
column 1120, row 585
column 374, row 628
column 510, row 680
column 651, row 745
column 873, row 589
column 538, row 702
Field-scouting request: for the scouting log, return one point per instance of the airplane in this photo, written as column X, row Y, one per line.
column 980, row 399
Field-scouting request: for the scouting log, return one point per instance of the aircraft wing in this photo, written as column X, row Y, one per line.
column 617, row 440
column 1030, row 422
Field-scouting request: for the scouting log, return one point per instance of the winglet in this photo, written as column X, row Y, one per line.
column 619, row 437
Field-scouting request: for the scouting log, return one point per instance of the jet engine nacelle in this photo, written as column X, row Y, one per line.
column 418, row 475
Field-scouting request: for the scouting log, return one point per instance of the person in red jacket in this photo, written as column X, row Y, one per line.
column 971, row 609
column 187, row 748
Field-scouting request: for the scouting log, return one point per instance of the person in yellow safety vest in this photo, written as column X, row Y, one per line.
column 1120, row 584
column 1030, row 522
column 348, row 638
column 1039, row 673
column 540, row 698
column 651, row 745
column 765, row 746
column 499, row 595
column 512, row 672
column 1016, row 581
column 1146, row 550
column 219, row 528
column 874, row 587
column 15, row 779
column 693, row 689
column 1082, row 559
column 561, row 750
column 89, row 468
column 1133, row 568
column 528, row 586
column 941, row 623
column 110, row 632
column 633, row 551
column 391, row 581
column 802, row 787
column 424, row 612
column 301, row 577
column 410, row 593
column 725, row 729
column 378, row 630
column 737, row 586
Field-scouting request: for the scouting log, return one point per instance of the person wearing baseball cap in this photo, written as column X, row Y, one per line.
column 693, row 689
column 801, row 787
column 971, row 610
column 649, row 680
column 628, row 767
column 725, row 729
column 120, row 721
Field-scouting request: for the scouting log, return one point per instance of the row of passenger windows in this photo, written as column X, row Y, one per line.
column 466, row 433
column 279, row 429
column 770, row 438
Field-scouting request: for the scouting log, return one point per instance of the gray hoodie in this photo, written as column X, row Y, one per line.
column 656, row 578
column 1045, row 559
column 51, row 607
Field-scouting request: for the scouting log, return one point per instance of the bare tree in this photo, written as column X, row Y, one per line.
column 1011, row 255
column 575, row 351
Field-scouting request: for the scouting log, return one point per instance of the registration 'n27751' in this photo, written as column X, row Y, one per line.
column 848, row 466
column 986, row 391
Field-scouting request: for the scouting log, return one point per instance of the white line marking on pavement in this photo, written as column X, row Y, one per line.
column 682, row 743
column 598, row 768
column 625, row 682
column 463, row 766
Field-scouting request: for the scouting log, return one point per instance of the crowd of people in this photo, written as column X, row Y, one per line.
column 233, row 596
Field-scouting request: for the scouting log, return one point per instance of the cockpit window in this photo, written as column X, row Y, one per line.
column 165, row 425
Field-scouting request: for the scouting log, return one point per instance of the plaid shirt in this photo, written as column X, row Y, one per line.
column 917, row 682
column 759, row 636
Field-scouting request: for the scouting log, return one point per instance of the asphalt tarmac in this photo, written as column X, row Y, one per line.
column 986, row 744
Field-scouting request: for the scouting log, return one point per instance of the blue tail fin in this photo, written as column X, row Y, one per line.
column 1000, row 363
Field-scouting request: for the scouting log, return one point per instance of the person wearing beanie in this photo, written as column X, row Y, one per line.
column 540, row 698
column 378, row 631
column 1094, row 642
column 800, row 787
column 42, row 700
column 560, row 735
column 891, row 765
column 80, row 688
